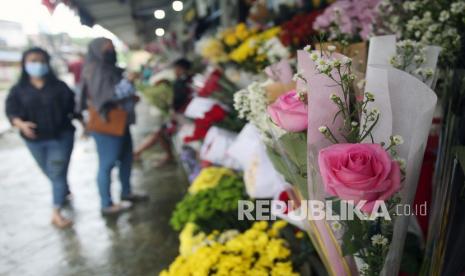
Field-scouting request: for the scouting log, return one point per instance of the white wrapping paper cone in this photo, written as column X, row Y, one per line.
column 383, row 48
column 407, row 106
column 215, row 146
column 260, row 177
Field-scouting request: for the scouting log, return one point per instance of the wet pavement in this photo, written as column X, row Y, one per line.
column 139, row 242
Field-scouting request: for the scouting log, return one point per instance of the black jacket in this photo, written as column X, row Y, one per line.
column 50, row 108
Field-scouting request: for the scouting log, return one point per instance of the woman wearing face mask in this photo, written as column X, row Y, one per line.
column 41, row 107
column 101, row 83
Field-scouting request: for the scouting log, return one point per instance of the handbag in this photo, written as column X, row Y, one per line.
column 115, row 125
column 116, row 122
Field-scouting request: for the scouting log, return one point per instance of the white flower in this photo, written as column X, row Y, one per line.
column 308, row 48
column 397, row 140
column 370, row 97
column 297, row 76
column 331, row 48
column 346, row 60
column 321, row 61
column 323, row 129
column 418, row 58
column 457, row 7
column 314, row 56
column 394, row 61
column 335, row 63
column 375, row 111
column 402, row 163
column 379, row 239
column 443, row 16
column 333, row 97
column 324, row 68
column 336, row 226
column 354, row 124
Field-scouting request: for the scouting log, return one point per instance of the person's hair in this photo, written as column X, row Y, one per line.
column 24, row 78
column 183, row 63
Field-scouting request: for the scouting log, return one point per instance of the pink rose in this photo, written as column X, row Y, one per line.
column 289, row 113
column 359, row 172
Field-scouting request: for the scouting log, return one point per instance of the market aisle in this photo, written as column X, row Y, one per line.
column 137, row 243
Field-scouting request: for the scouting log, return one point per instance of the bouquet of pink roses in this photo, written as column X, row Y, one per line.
column 363, row 160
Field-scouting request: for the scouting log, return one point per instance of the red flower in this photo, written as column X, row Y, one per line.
column 211, row 85
column 298, row 31
column 216, row 114
column 284, row 196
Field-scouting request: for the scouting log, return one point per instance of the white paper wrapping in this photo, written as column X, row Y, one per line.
column 215, row 146
column 383, row 48
column 407, row 106
column 260, row 177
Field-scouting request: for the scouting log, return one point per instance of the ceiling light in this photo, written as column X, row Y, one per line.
column 160, row 31
column 177, row 5
column 159, row 14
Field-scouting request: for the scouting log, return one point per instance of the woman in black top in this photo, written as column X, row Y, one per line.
column 42, row 107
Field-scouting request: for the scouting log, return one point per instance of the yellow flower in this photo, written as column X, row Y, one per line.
column 242, row 31
column 300, row 235
column 209, row 178
column 188, row 240
column 270, row 33
column 230, row 40
column 251, row 253
column 245, row 50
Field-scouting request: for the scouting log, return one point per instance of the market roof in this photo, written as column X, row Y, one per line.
column 131, row 20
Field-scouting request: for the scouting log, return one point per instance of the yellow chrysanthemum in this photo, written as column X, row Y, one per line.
column 253, row 252
column 209, row 178
column 213, row 50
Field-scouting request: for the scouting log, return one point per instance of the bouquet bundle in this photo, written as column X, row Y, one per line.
column 159, row 95
column 362, row 156
column 278, row 111
column 216, row 113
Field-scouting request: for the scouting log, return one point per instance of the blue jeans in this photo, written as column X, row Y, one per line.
column 112, row 151
column 53, row 158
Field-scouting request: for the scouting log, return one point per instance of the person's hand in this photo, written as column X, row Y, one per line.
column 26, row 128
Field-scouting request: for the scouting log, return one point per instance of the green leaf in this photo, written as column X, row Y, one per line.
column 295, row 147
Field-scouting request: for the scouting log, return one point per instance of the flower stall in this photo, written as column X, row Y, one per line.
column 335, row 107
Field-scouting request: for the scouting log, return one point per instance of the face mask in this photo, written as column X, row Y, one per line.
column 109, row 57
column 36, row 69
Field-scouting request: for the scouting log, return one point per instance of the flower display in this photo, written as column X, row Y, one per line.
column 289, row 112
column 257, row 251
column 208, row 178
column 359, row 172
column 348, row 20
